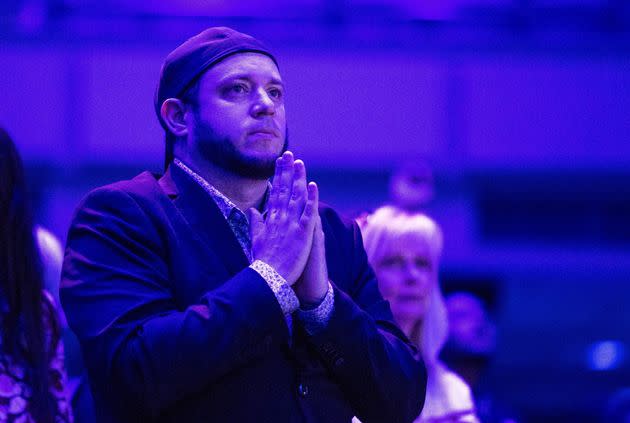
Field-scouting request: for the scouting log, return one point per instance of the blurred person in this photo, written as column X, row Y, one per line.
column 32, row 377
column 411, row 186
column 51, row 253
column 472, row 336
column 77, row 388
column 189, row 309
column 469, row 350
column 404, row 249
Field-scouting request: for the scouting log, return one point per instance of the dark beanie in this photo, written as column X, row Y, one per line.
column 196, row 55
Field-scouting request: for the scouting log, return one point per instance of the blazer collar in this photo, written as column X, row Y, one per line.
column 204, row 217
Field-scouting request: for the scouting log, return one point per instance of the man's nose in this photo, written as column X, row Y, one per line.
column 263, row 104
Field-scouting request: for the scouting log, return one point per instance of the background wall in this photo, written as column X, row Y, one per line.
column 521, row 108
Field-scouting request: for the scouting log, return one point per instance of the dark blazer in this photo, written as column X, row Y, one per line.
column 175, row 327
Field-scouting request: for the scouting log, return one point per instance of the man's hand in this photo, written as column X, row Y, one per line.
column 283, row 240
column 312, row 286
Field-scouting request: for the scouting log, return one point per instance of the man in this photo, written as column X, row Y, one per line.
column 188, row 310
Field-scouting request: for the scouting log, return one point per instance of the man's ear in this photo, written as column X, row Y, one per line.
column 173, row 113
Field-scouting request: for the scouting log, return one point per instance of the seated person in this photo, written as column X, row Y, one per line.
column 32, row 376
column 404, row 249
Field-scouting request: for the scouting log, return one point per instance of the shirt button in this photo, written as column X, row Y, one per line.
column 303, row 389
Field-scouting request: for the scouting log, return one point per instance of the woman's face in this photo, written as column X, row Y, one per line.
column 404, row 276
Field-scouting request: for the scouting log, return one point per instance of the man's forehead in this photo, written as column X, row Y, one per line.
column 243, row 65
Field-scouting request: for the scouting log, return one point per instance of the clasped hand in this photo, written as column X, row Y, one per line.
column 290, row 239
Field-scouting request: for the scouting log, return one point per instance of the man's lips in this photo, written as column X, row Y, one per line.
column 264, row 131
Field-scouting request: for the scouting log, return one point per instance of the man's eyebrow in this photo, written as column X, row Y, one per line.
column 231, row 77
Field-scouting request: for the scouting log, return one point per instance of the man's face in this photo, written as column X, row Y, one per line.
column 239, row 123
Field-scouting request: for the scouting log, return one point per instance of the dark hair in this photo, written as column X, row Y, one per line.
column 189, row 96
column 25, row 312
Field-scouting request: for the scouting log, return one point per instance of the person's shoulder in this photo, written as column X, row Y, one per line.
column 142, row 188
column 142, row 184
column 49, row 305
column 456, row 386
column 342, row 230
column 49, row 246
column 335, row 219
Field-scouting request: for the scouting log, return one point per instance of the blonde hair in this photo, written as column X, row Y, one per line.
column 380, row 231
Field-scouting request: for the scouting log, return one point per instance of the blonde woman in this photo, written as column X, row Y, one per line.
column 404, row 249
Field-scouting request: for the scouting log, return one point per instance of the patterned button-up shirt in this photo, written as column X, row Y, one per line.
column 315, row 318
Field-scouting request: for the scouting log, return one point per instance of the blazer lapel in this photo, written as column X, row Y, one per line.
column 204, row 217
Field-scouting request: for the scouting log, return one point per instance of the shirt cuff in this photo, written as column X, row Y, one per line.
column 316, row 319
column 284, row 294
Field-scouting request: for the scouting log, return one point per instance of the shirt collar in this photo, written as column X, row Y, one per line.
column 225, row 204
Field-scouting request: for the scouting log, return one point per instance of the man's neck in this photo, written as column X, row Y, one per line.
column 245, row 193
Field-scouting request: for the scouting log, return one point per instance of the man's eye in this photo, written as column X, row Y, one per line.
column 238, row 88
column 235, row 89
column 275, row 93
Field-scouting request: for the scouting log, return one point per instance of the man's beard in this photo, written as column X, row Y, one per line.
column 221, row 152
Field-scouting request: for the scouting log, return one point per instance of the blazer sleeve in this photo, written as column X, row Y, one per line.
column 380, row 372
column 141, row 350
